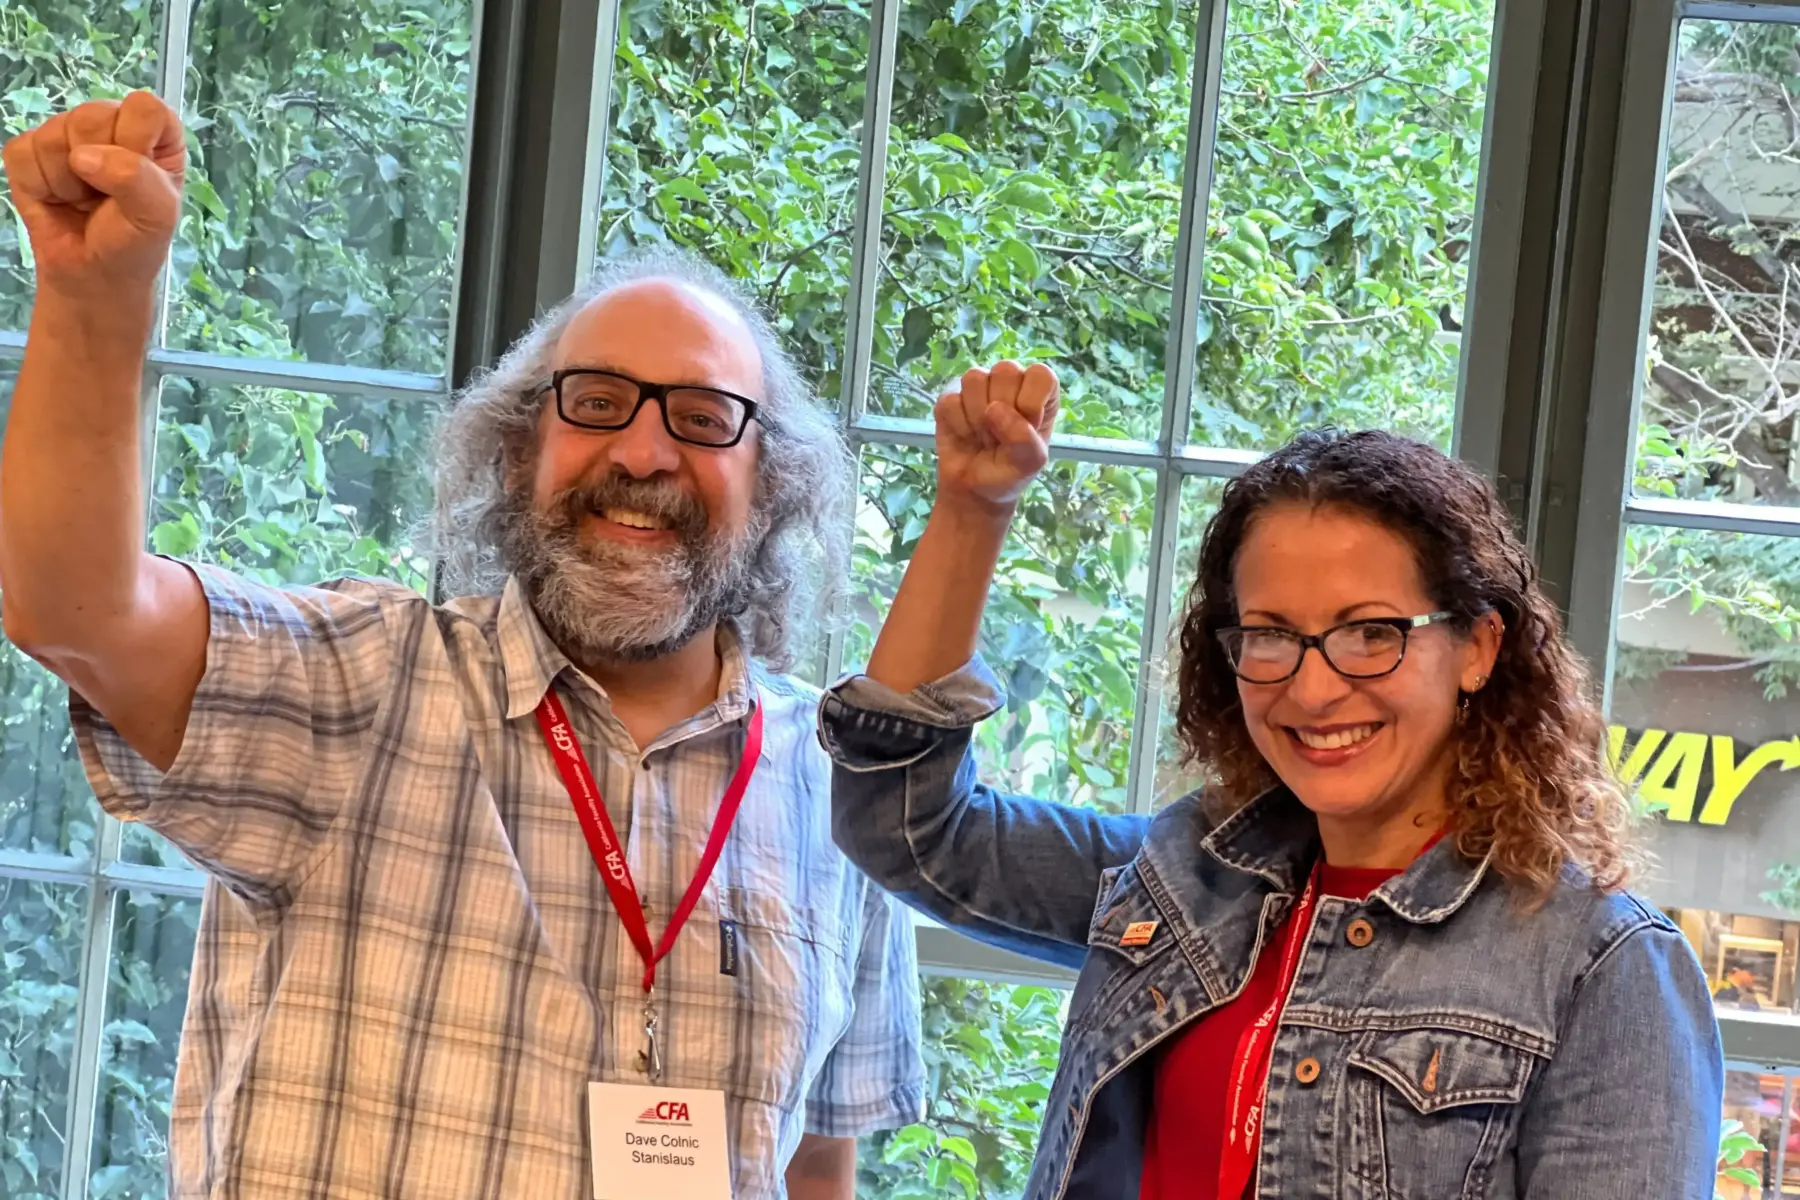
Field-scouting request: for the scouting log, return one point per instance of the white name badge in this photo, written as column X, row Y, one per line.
column 656, row 1143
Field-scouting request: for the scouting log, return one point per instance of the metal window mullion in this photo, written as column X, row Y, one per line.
column 1179, row 367
column 606, row 54
column 1146, row 720
column 1188, row 284
column 166, row 881
column 1621, row 332
column 1710, row 516
column 90, row 1024
column 45, row 868
column 1781, row 1131
column 871, row 190
column 172, row 68
column 945, row 951
column 1494, row 304
column 1779, row 12
column 865, row 266
column 298, row 375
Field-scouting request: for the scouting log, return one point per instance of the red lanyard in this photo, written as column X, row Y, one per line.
column 609, row 856
column 1250, row 1081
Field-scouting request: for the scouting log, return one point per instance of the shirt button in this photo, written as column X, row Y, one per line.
column 1360, row 933
column 1306, row 1070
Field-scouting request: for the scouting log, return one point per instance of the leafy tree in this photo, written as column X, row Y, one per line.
column 1030, row 209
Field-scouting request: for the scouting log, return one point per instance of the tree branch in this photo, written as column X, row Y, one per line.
column 1770, row 477
column 1300, row 97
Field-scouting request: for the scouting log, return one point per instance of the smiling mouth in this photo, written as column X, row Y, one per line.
column 632, row 519
column 1343, row 737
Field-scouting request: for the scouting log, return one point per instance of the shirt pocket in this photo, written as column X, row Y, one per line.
column 1431, row 1111
column 786, row 1002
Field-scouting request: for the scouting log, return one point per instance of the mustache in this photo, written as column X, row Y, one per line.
column 686, row 516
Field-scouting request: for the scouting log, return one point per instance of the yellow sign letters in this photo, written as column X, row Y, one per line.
column 1668, row 769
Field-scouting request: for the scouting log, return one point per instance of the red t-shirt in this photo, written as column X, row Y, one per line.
column 1183, row 1146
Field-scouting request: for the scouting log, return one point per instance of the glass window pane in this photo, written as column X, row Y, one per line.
column 288, row 488
column 1343, row 207
column 45, row 803
column 1062, row 626
column 1032, row 198
column 53, row 56
column 328, row 144
column 1703, row 692
column 41, row 927
column 291, row 487
column 153, row 947
column 1749, row 1146
column 990, row 1052
column 1702, row 726
column 1719, row 397
column 735, row 131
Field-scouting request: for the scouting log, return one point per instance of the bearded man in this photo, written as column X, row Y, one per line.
column 530, row 893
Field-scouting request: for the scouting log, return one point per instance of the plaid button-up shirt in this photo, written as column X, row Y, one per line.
column 408, row 967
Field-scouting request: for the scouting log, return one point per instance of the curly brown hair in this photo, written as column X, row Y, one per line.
column 1532, row 790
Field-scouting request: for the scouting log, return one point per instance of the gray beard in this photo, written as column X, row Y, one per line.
column 603, row 601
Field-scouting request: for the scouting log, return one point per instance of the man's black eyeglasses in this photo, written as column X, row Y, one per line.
column 699, row 416
column 1365, row 649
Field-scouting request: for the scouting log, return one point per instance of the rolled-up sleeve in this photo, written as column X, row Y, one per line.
column 874, row 1078
column 276, row 741
column 909, row 810
column 969, row 696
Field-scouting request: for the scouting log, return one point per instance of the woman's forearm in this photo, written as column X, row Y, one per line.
column 935, row 622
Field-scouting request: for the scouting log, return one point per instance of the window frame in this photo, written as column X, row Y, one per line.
column 1610, row 399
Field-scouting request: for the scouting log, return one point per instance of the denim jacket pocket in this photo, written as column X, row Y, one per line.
column 1127, row 934
column 1431, row 1111
column 1126, row 920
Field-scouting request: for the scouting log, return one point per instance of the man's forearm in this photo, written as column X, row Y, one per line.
column 71, row 528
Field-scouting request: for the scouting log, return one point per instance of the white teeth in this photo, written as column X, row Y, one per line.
column 637, row 520
column 1337, row 739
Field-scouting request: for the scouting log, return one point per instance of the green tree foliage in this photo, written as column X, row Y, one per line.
column 1030, row 208
column 40, row 960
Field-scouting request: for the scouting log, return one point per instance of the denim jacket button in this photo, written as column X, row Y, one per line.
column 1360, row 933
column 1307, row 1070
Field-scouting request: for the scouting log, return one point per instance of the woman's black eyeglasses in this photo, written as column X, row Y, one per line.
column 1365, row 649
column 607, row 400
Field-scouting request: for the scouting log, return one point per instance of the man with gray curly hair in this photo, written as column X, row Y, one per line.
column 530, row 892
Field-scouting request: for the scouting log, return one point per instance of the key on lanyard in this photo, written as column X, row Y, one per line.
column 653, row 1048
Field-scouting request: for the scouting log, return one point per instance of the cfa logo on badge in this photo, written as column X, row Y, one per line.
column 658, row 1143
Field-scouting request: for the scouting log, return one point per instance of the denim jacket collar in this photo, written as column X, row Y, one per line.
column 1275, row 838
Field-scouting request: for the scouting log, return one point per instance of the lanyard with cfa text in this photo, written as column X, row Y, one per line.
column 609, row 855
column 1250, row 1077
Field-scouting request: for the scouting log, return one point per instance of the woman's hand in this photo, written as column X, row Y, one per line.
column 993, row 433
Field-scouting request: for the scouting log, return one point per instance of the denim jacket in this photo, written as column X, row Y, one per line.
column 1472, row 1047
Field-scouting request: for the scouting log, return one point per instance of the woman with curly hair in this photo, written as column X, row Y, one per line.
column 1386, row 952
